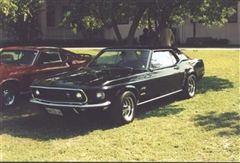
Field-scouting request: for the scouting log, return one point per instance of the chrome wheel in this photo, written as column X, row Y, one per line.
column 128, row 108
column 191, row 86
column 124, row 108
column 8, row 97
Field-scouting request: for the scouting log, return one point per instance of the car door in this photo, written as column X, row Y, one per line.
column 50, row 62
column 166, row 75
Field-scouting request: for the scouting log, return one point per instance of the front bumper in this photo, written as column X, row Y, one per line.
column 69, row 105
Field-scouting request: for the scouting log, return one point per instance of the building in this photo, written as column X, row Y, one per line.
column 53, row 11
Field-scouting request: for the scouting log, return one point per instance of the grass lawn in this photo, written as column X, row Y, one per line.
column 204, row 128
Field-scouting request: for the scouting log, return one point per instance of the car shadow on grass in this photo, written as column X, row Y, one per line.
column 32, row 122
column 36, row 124
column 227, row 123
column 160, row 108
column 213, row 83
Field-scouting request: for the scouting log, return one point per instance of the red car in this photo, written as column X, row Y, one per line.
column 19, row 66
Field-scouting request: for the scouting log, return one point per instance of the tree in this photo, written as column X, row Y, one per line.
column 206, row 12
column 112, row 11
column 81, row 16
column 7, row 10
column 149, row 12
column 84, row 16
column 211, row 13
column 21, row 16
column 88, row 16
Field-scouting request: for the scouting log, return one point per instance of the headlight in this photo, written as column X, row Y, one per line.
column 37, row 92
column 79, row 95
column 100, row 95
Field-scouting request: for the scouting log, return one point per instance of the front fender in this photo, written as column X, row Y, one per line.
column 131, row 88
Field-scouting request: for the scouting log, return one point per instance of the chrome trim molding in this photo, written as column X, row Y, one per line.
column 159, row 97
column 49, row 103
column 57, row 88
column 41, row 87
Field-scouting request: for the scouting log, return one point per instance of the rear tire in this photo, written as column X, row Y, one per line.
column 124, row 109
column 189, row 89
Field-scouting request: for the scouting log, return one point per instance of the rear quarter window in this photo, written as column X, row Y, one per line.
column 162, row 59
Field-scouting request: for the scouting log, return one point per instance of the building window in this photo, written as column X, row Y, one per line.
column 51, row 17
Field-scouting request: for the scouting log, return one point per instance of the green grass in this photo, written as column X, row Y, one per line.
column 84, row 50
column 204, row 128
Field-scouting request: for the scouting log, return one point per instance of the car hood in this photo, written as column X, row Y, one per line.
column 83, row 77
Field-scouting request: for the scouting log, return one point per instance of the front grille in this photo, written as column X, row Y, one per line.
column 60, row 95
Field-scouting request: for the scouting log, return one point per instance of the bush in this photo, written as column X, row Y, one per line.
column 206, row 41
column 61, row 43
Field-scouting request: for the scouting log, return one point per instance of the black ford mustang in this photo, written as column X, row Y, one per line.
column 119, row 80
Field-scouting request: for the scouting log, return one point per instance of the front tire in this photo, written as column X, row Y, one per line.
column 190, row 86
column 124, row 109
column 8, row 97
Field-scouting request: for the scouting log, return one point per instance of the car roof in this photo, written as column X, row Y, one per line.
column 28, row 48
column 143, row 48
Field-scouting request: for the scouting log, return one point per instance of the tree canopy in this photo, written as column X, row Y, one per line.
column 95, row 14
column 21, row 16
column 87, row 16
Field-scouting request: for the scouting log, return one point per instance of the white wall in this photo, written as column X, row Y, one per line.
column 61, row 33
column 230, row 31
column 6, row 35
column 124, row 29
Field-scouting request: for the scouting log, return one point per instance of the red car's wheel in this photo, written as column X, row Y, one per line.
column 8, row 97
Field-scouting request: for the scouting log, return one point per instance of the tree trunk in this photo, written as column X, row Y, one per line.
column 133, row 28
column 116, row 29
column 83, row 30
column 149, row 20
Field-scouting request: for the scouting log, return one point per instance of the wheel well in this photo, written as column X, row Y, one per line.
column 193, row 73
column 187, row 75
column 131, row 89
column 134, row 91
column 11, row 83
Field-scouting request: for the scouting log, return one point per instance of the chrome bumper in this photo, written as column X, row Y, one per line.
column 69, row 105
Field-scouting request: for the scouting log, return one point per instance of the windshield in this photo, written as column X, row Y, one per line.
column 24, row 57
column 135, row 59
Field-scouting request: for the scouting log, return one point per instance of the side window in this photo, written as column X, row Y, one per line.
column 162, row 59
column 49, row 57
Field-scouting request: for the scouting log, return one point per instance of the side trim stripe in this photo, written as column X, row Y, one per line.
column 159, row 97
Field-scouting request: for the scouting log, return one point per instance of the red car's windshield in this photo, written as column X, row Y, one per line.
column 24, row 57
